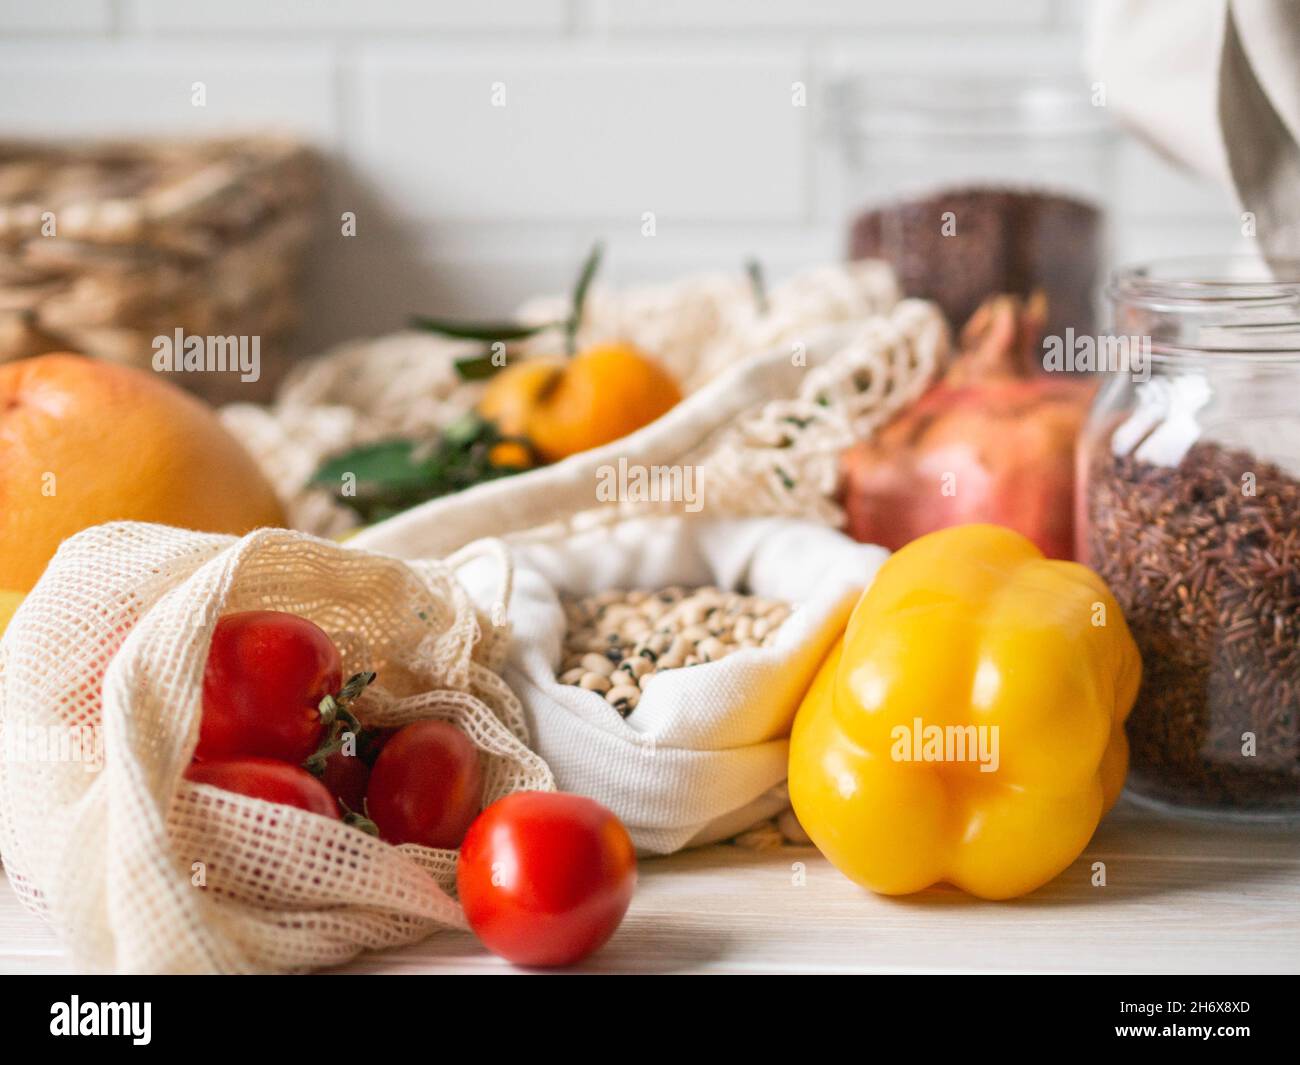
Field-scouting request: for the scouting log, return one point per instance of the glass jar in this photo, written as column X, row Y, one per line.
column 970, row 186
column 1189, row 497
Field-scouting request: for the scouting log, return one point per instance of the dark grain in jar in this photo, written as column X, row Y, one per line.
column 1005, row 240
column 1208, row 576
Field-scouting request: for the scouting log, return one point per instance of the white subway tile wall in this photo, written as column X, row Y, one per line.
column 615, row 111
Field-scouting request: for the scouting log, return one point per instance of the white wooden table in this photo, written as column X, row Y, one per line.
column 1180, row 897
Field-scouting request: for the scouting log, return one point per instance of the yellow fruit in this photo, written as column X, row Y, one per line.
column 84, row 442
column 564, row 406
column 510, row 453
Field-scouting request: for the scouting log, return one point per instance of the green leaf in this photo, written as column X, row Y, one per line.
column 467, row 429
column 477, row 367
column 390, row 476
column 386, row 462
column 485, row 331
column 585, row 276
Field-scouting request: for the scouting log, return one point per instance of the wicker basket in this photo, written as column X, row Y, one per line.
column 105, row 247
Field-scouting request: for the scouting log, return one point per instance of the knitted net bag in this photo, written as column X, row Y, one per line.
column 101, row 674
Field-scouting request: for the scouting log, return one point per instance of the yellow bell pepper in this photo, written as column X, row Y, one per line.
column 969, row 726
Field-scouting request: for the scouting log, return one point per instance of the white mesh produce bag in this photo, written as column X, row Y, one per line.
column 703, row 756
column 140, row 870
column 766, row 438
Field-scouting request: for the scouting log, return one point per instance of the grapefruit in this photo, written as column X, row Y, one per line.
column 84, row 442
column 8, row 604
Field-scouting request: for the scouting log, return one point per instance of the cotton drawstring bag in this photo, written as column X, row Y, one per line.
column 703, row 755
column 101, row 675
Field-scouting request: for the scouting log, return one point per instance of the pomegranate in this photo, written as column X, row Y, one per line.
column 991, row 441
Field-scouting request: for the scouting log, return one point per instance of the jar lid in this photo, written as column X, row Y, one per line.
column 968, row 106
column 1244, row 306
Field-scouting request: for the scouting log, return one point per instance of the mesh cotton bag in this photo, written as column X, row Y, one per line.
column 765, row 437
column 703, row 756
column 112, row 643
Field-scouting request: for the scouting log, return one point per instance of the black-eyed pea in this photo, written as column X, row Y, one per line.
column 693, row 613
column 633, row 628
column 627, row 637
column 712, row 649
column 623, row 693
column 597, row 663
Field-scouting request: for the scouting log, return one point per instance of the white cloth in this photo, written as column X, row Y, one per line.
column 703, row 756
column 1215, row 85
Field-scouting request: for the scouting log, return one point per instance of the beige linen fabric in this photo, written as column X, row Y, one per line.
column 1215, row 85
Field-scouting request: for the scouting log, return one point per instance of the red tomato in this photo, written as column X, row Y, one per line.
column 374, row 740
column 426, row 785
column 346, row 772
column 265, row 778
column 266, row 674
column 545, row 877
column 346, row 777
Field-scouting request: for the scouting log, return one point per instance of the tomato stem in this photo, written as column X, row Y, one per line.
column 358, row 821
column 336, row 705
column 339, row 720
column 315, row 763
